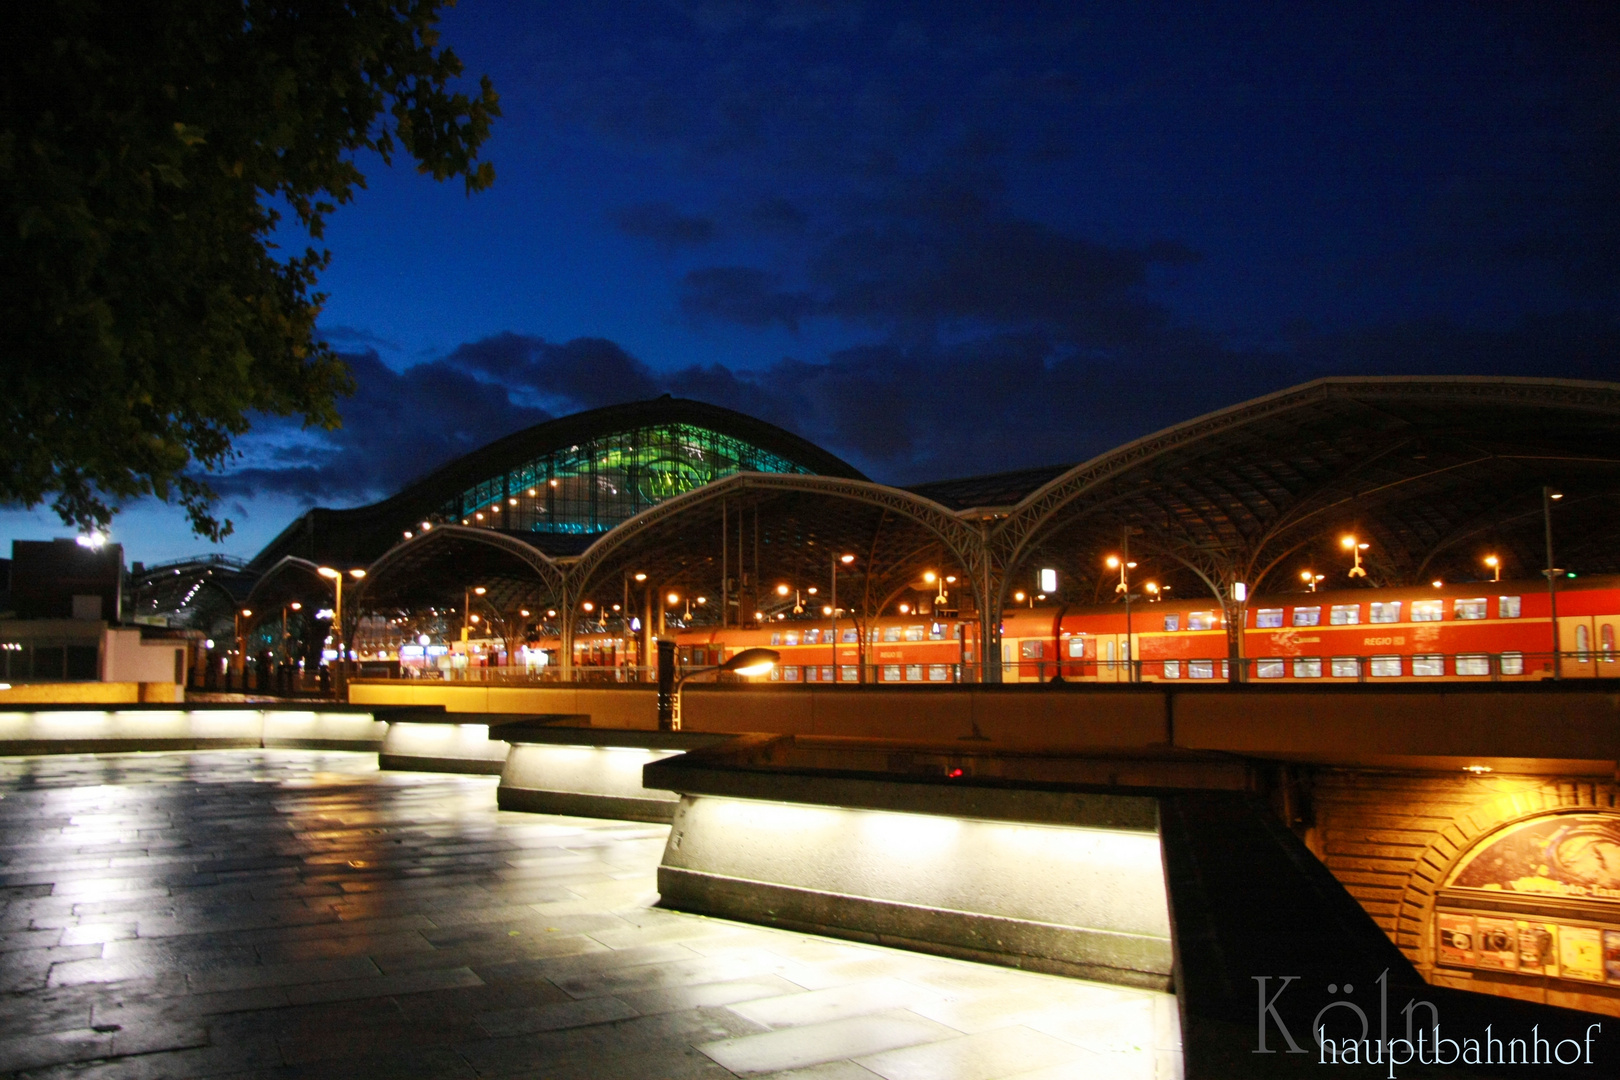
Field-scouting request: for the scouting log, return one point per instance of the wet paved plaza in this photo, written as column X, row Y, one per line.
column 301, row 914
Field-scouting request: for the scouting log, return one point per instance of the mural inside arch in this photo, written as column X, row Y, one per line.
column 1540, row 898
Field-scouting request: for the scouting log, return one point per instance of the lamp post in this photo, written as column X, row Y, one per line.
column 845, row 560
column 241, row 644
column 466, row 606
column 337, row 606
column 1496, row 567
column 1355, row 547
column 1125, row 566
column 1548, row 497
column 749, row 662
column 1311, row 578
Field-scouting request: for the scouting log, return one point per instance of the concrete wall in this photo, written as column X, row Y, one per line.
column 1080, row 901
column 608, row 706
column 97, row 729
column 91, row 693
column 126, row 658
column 586, row 781
column 463, row 748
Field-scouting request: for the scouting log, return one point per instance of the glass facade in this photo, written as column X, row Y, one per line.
column 593, row 486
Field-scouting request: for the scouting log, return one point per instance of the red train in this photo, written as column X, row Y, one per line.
column 1475, row 631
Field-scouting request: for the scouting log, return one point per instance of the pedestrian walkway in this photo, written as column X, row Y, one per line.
column 299, row 914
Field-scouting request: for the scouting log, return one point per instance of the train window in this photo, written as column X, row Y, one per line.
column 826, row 673
column 810, row 673
column 1583, row 643
column 891, row 633
column 1200, row 669
column 916, row 633
column 1200, row 620
column 939, row 673
column 1389, row 611
column 1428, row 665
column 1307, row 616
column 790, row 673
column 1606, row 643
column 1307, row 667
column 891, row 672
column 1269, row 669
column 776, row 674
column 1172, row 622
column 1077, row 648
column 936, row 632
column 1507, row 607
column 1268, row 618
column 700, row 657
column 790, row 637
column 851, row 635
column 1513, row 663
column 1226, row 670
column 1347, row 667
column 1469, row 609
column 1031, row 649
column 1172, row 669
column 849, row 673
column 1386, row 667
column 776, row 637
column 913, row 673
column 1428, row 610
column 812, row 636
column 1473, row 665
column 1344, row 615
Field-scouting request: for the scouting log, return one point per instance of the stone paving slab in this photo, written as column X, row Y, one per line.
column 296, row 915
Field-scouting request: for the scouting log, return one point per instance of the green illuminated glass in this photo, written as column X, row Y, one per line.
column 595, row 485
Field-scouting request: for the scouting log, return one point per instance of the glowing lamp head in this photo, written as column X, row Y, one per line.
column 588, row 606
column 906, row 608
column 1113, row 562
column 846, row 559
column 930, row 577
column 524, row 613
column 702, row 600
column 752, row 662
column 328, row 572
column 295, row 606
column 1019, row 596
column 1491, row 560
column 246, row 612
column 673, row 598
column 357, row 574
column 782, row 590
column 826, row 609
column 479, row 591
column 641, row 577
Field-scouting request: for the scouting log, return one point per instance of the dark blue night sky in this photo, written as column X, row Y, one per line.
column 946, row 240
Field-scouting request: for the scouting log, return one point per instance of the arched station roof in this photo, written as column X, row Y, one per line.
column 355, row 537
column 1430, row 472
column 1424, row 469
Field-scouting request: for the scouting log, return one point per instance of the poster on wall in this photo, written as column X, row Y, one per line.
column 1456, row 934
column 1611, row 954
column 1496, row 943
column 1538, row 948
column 1574, row 856
column 1580, row 952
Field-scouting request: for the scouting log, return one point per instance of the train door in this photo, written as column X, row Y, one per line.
column 1111, row 654
column 1578, row 646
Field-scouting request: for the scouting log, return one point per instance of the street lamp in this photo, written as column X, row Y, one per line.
column 748, row 663
column 1355, row 547
column 337, row 605
column 467, row 617
column 1496, row 566
column 1548, row 497
column 832, row 609
column 1125, row 566
column 1312, row 579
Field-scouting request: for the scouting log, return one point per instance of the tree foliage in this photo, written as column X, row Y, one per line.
column 148, row 149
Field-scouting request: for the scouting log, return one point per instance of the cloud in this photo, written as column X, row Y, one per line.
column 664, row 225
column 777, row 215
column 743, row 295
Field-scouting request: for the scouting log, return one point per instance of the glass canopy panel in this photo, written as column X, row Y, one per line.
column 595, row 485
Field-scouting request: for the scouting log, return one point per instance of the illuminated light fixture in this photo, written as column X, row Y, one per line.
column 1240, row 592
column 811, row 591
column 846, row 559
column 426, row 525
column 407, row 534
column 93, row 541
column 554, row 483
column 1555, row 495
column 480, row 517
column 1478, row 770
column 782, row 590
column 473, row 617
column 1496, row 566
column 479, row 591
column 1048, row 580
column 534, row 491
column 511, row 502
column 246, row 612
column 759, row 615
column 5, row 686
column 752, row 663
column 524, row 613
column 906, row 608
column 1355, row 548
column 826, row 609
column 641, row 577
column 1040, row 596
column 422, row 639
column 1019, row 596
column 588, row 606
column 702, row 600
column 672, row 599
column 551, row 613
column 930, row 577
column 615, row 608
column 296, row 606
column 1437, row 583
